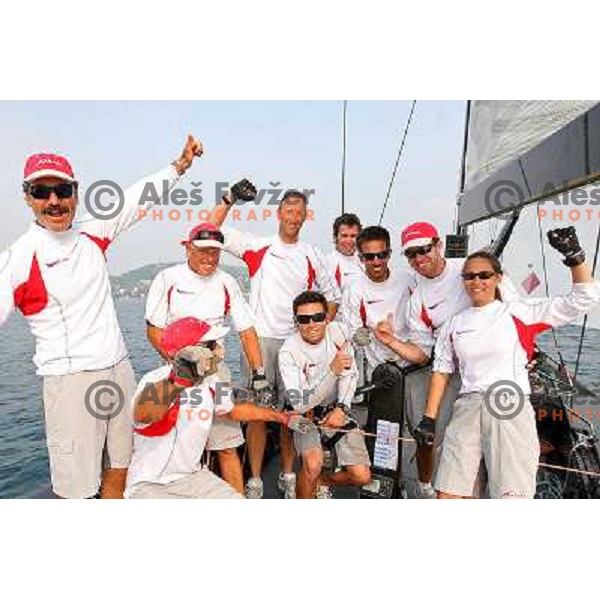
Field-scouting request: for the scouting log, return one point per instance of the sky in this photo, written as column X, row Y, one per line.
column 298, row 144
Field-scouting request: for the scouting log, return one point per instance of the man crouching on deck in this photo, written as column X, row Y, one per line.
column 319, row 373
column 173, row 414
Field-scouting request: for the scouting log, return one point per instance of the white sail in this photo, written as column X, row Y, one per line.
column 499, row 131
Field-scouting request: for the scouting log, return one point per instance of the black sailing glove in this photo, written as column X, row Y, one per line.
column 566, row 242
column 243, row 191
column 424, row 432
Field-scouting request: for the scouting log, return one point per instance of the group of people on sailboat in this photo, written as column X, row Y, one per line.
column 461, row 317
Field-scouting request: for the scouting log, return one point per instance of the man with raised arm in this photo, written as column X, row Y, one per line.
column 280, row 267
column 56, row 275
column 199, row 288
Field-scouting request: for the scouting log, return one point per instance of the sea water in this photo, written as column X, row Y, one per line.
column 23, row 454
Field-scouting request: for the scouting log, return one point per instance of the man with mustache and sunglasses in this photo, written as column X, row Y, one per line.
column 56, row 275
column 320, row 375
column 438, row 294
column 200, row 289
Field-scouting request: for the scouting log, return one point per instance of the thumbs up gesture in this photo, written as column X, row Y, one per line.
column 341, row 361
column 384, row 331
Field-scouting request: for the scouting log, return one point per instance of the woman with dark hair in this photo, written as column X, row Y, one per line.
column 491, row 343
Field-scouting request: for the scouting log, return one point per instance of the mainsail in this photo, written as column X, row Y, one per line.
column 518, row 151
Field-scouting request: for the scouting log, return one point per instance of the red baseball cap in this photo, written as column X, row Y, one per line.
column 48, row 165
column 189, row 331
column 205, row 235
column 418, row 234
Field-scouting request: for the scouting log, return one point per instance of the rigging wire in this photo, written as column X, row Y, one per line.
column 401, row 148
column 344, row 109
column 543, row 251
column 585, row 319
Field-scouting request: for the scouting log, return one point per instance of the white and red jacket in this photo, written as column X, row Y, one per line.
column 305, row 368
column 167, row 450
column 434, row 300
column 343, row 269
column 179, row 292
column 495, row 342
column 278, row 273
column 59, row 281
column 369, row 302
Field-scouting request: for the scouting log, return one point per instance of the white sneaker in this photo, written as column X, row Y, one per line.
column 323, row 493
column 287, row 485
column 425, row 491
column 254, row 488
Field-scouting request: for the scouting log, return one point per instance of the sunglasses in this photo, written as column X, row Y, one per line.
column 213, row 236
column 484, row 275
column 43, row 192
column 315, row 318
column 418, row 251
column 368, row 256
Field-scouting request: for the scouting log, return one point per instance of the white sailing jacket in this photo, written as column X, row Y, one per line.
column 179, row 292
column 305, row 368
column 278, row 273
column 434, row 300
column 59, row 281
column 368, row 303
column 344, row 270
column 495, row 342
column 167, row 450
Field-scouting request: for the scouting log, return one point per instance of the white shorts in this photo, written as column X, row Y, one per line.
column 201, row 484
column 509, row 448
column 88, row 427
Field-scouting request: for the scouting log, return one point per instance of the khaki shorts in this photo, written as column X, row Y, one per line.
column 269, row 348
column 350, row 450
column 509, row 448
column 201, row 484
column 88, row 427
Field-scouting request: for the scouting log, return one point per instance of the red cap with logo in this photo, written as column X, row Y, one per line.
column 205, row 235
column 48, row 165
column 189, row 331
column 418, row 234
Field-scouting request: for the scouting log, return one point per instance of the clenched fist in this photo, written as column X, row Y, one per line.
column 193, row 148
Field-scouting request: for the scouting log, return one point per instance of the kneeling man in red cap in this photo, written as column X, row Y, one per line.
column 173, row 409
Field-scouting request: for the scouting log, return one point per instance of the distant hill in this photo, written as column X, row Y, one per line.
column 135, row 283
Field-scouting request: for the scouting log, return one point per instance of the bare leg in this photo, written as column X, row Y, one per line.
column 231, row 468
column 256, row 438
column 288, row 452
column 113, row 483
column 355, row 475
column 444, row 496
column 308, row 478
column 425, row 463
